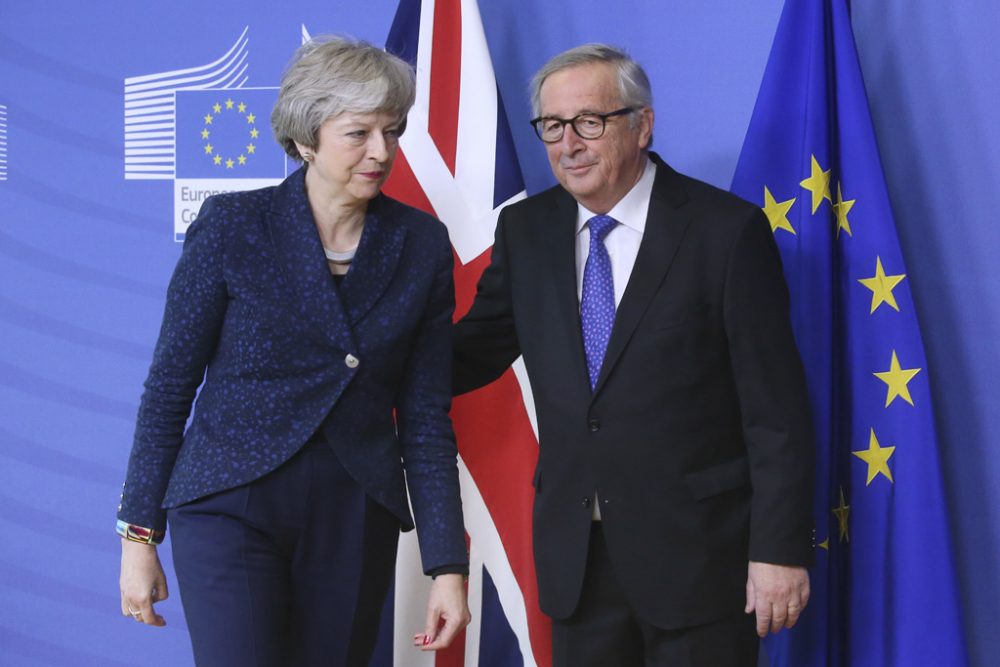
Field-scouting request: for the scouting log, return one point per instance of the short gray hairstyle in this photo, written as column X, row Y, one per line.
column 329, row 75
column 633, row 84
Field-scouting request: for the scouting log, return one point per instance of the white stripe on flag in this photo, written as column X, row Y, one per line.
column 423, row 69
column 469, row 235
column 475, row 161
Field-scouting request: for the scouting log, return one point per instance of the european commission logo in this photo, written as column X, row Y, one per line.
column 203, row 129
column 3, row 142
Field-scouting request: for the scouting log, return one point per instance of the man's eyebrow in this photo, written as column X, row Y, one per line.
column 580, row 112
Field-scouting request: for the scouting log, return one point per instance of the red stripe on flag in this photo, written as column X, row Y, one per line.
column 402, row 184
column 446, row 77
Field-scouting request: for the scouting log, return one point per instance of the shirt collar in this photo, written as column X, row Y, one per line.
column 631, row 209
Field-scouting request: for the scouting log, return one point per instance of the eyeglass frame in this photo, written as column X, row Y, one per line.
column 563, row 122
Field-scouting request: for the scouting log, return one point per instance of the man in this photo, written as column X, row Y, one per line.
column 673, row 488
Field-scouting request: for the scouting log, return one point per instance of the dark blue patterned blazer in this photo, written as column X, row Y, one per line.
column 253, row 311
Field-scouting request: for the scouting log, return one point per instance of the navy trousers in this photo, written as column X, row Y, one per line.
column 291, row 569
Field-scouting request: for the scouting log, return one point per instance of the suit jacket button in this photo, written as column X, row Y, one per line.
column 586, row 503
column 351, row 361
column 594, row 425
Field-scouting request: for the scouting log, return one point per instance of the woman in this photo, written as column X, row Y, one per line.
column 318, row 313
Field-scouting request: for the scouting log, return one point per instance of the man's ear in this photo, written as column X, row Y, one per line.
column 645, row 127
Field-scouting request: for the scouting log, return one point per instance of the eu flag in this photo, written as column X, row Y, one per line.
column 883, row 589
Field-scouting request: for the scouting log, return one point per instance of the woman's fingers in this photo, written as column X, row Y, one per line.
column 447, row 603
column 142, row 583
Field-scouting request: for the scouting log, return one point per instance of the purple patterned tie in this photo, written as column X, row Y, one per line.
column 597, row 303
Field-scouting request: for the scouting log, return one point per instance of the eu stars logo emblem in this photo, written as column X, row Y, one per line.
column 224, row 143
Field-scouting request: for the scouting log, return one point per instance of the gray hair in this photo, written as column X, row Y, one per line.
column 633, row 84
column 329, row 75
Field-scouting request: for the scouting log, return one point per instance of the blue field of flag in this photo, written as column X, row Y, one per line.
column 227, row 134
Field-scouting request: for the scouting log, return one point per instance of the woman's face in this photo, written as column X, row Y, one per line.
column 354, row 154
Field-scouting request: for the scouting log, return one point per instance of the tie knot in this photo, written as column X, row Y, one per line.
column 600, row 225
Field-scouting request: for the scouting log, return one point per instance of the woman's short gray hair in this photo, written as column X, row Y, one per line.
column 329, row 75
column 633, row 84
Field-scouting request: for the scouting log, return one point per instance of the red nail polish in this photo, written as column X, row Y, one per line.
column 427, row 640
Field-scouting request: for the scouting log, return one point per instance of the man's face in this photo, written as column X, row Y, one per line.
column 597, row 172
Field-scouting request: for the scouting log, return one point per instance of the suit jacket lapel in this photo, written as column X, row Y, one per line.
column 375, row 261
column 561, row 255
column 665, row 227
column 308, row 283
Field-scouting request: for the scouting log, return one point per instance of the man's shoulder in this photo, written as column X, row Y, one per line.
column 710, row 195
column 546, row 205
column 704, row 195
column 540, row 201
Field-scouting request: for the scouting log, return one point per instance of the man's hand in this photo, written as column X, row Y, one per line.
column 778, row 593
column 447, row 604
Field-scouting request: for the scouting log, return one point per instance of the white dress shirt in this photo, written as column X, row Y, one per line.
column 622, row 243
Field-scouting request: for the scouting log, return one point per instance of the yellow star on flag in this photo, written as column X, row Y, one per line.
column 825, row 544
column 877, row 458
column 204, row 134
column 251, row 118
column 881, row 286
column 254, row 133
column 842, row 512
column 216, row 107
column 777, row 212
column 208, row 119
column 251, row 148
column 897, row 378
column 217, row 159
column 242, row 159
column 818, row 183
column 229, row 103
column 229, row 163
column 841, row 208
column 209, row 148
column 242, row 108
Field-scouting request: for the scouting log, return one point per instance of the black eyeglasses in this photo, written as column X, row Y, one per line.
column 550, row 129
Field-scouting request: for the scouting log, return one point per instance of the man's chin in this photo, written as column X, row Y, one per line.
column 581, row 186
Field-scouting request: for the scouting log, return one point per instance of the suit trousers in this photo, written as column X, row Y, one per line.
column 604, row 631
column 290, row 569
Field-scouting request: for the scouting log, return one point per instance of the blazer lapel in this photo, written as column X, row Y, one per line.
column 374, row 263
column 665, row 227
column 561, row 256
column 310, row 288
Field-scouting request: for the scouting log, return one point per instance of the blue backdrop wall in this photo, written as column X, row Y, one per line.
column 85, row 252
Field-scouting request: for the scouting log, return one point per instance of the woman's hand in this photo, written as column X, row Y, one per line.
column 142, row 582
column 446, row 604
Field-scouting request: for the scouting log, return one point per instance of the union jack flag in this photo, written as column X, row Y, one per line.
column 457, row 162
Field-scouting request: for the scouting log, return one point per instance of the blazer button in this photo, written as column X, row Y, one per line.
column 351, row 361
column 594, row 425
column 586, row 503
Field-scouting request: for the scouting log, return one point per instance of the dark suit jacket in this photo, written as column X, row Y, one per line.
column 697, row 437
column 252, row 300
